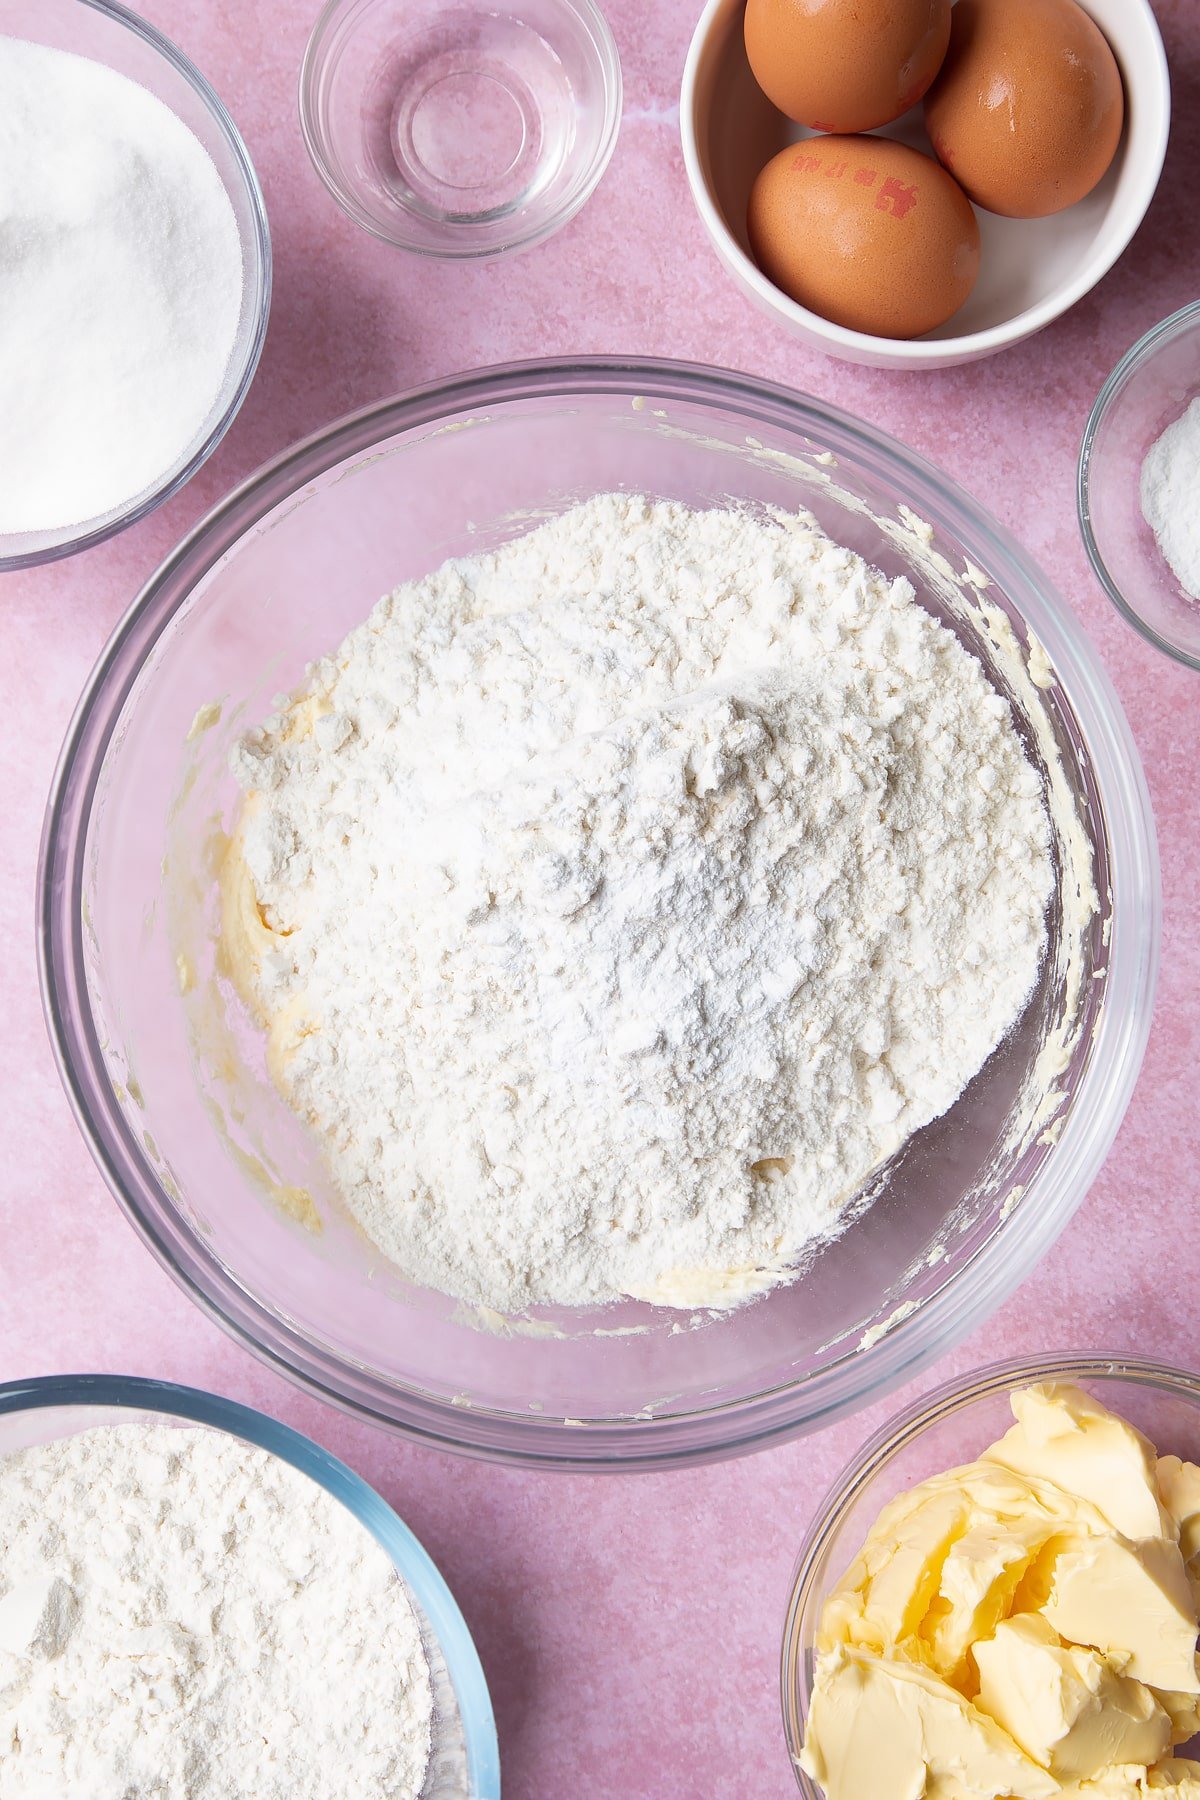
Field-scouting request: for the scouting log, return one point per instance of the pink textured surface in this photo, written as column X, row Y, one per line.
column 629, row 1627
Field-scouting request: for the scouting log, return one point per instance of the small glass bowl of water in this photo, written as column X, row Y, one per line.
column 460, row 130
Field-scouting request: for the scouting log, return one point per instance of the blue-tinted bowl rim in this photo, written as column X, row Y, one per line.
column 409, row 1556
column 1130, row 365
column 260, row 274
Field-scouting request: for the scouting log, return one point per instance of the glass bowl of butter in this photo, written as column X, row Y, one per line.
column 1000, row 1595
column 171, row 1076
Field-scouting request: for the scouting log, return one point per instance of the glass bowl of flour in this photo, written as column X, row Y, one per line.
column 534, row 1012
column 135, row 259
column 1139, row 472
column 182, row 1573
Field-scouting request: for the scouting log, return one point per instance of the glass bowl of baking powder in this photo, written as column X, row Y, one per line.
column 1139, row 473
column 133, row 400
column 167, row 1075
column 944, row 1430
column 463, row 1755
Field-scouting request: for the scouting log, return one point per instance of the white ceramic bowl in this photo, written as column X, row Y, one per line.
column 1033, row 269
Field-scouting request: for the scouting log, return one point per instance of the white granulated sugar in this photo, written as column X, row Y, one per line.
column 633, row 892
column 1171, row 497
column 183, row 1617
column 120, row 288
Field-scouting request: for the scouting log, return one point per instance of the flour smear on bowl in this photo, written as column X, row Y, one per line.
column 183, row 1614
column 618, row 901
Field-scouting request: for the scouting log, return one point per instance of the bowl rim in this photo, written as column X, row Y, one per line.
column 312, row 65
column 726, row 1428
column 1175, row 325
column 409, row 1557
column 258, row 275
column 904, row 1429
column 921, row 352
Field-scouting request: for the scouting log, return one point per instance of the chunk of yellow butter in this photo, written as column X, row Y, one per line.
column 1173, row 1776
column 888, row 1590
column 1176, row 1776
column 1065, row 1437
column 1114, row 1784
column 1183, row 1710
column 1134, row 1602
column 1179, row 1490
column 1065, row 1705
column 895, row 1582
column 980, row 1576
column 871, row 1715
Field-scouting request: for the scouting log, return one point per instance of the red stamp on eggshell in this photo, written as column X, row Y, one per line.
column 896, row 197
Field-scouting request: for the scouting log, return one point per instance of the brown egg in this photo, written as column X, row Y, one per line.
column 865, row 232
column 845, row 65
column 1028, row 108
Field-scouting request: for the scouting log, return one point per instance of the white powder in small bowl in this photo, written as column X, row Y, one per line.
column 184, row 1615
column 120, row 289
column 1171, row 497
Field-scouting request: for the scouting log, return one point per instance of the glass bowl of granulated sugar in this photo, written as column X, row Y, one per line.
column 660, row 977
column 198, row 1599
column 1139, row 478
column 136, row 267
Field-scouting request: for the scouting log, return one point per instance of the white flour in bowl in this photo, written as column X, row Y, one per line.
column 184, row 1617
column 1171, row 497
column 618, row 901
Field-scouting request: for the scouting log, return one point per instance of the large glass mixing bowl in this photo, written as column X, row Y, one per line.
column 167, row 1076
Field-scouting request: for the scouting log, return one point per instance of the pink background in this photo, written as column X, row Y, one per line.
column 629, row 1627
